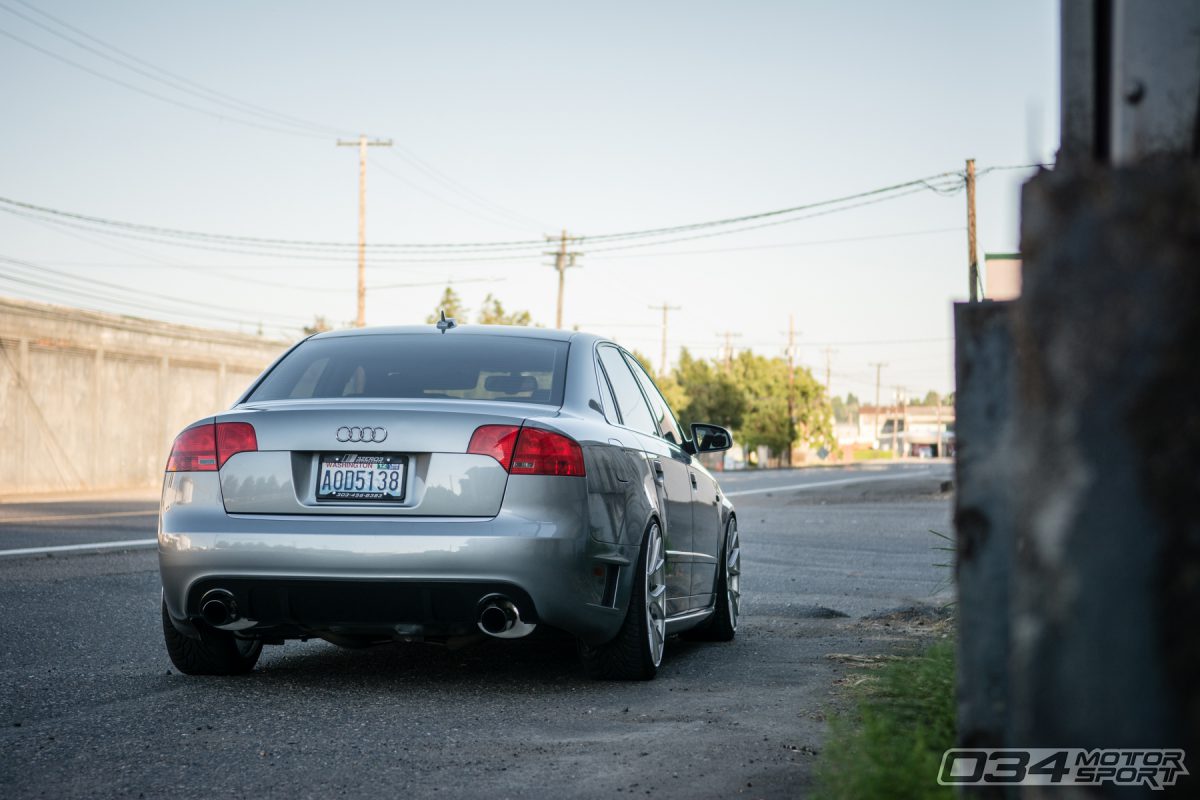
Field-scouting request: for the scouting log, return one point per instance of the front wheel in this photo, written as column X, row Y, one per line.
column 722, row 625
column 216, row 652
column 636, row 652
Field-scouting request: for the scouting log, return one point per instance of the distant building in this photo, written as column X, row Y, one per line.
column 919, row 431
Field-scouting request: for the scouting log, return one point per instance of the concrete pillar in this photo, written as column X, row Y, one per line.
column 94, row 476
column 164, row 429
column 984, row 367
column 1106, row 590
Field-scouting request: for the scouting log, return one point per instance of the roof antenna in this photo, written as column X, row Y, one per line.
column 445, row 324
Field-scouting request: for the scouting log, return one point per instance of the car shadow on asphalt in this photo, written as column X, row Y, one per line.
column 546, row 657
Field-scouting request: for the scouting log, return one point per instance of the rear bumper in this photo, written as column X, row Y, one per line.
column 375, row 574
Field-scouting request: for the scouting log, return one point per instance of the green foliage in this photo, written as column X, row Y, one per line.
column 642, row 359
column 766, row 421
column 751, row 399
column 845, row 410
column 493, row 313
column 672, row 391
column 891, row 745
column 452, row 304
column 932, row 398
column 711, row 395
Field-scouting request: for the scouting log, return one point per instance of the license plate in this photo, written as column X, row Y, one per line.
column 361, row 477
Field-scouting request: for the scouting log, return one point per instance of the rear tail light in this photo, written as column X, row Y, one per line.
column 195, row 450
column 233, row 438
column 496, row 441
column 206, row 448
column 528, row 451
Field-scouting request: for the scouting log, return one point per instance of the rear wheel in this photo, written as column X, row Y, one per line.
column 636, row 652
column 216, row 652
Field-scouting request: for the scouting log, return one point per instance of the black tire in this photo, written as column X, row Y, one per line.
column 722, row 625
column 216, row 652
column 630, row 656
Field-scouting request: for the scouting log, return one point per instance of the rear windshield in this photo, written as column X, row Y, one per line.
column 421, row 365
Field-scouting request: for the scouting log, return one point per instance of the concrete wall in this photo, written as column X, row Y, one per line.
column 92, row 401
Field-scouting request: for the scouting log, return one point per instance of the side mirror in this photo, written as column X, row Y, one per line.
column 710, row 438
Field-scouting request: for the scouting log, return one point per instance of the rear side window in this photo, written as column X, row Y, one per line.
column 463, row 367
column 658, row 405
column 634, row 411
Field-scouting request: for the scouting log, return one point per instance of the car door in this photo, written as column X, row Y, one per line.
column 673, row 451
column 670, row 475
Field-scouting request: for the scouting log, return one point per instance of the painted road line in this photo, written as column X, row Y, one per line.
column 130, row 544
column 795, row 487
column 66, row 517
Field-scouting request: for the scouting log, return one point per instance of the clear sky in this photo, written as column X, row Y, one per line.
column 513, row 120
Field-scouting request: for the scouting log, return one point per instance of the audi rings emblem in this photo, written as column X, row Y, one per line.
column 357, row 434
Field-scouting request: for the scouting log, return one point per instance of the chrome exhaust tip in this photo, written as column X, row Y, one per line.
column 500, row 617
column 497, row 617
column 217, row 607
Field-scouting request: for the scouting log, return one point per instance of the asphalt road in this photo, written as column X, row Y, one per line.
column 90, row 706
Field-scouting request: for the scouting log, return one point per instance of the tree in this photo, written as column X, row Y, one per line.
column 320, row 325
column 932, row 398
column 672, row 392
column 493, row 313
column 845, row 410
column 452, row 304
column 712, row 396
column 766, row 421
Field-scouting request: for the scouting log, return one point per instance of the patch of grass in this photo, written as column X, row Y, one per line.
column 871, row 455
column 891, row 744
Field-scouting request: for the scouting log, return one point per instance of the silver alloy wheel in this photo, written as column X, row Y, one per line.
column 733, row 572
column 656, row 594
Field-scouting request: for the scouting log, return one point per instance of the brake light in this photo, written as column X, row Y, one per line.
column 542, row 452
column 496, row 441
column 233, row 438
column 528, row 451
column 195, row 450
column 206, row 448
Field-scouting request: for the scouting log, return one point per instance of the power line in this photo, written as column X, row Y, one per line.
column 785, row 245
column 175, row 82
column 292, row 125
column 141, row 293
column 493, row 220
column 148, row 92
column 918, row 183
column 445, row 180
column 865, row 198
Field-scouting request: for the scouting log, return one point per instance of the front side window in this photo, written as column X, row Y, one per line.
column 658, row 405
column 634, row 411
column 402, row 366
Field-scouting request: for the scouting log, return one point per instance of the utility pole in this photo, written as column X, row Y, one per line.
column 362, row 144
column 563, row 260
column 878, row 371
column 828, row 351
column 899, row 398
column 972, row 255
column 729, row 337
column 791, row 354
column 662, row 368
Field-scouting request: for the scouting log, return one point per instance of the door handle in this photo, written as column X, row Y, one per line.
column 694, row 484
column 658, row 472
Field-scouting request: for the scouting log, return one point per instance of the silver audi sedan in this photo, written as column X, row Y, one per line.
column 440, row 483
